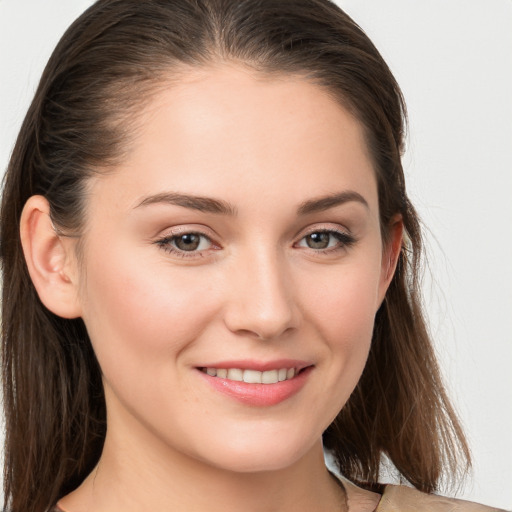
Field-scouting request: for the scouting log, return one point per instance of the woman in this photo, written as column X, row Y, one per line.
column 216, row 270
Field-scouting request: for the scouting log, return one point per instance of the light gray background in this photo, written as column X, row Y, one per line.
column 453, row 59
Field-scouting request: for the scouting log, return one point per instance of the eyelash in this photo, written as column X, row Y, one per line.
column 344, row 239
column 166, row 244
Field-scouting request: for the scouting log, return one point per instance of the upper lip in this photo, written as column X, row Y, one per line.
column 260, row 366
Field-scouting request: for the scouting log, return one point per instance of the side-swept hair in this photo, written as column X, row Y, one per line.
column 106, row 65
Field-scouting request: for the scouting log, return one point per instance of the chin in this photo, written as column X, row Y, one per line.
column 248, row 456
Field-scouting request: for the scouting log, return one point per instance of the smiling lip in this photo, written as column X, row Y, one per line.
column 255, row 393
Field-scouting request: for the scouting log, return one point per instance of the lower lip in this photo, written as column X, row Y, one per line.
column 259, row 395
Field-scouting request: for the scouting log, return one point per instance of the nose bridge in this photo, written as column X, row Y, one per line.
column 262, row 301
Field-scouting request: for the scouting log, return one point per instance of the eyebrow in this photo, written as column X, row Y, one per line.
column 202, row 204
column 326, row 202
column 218, row 206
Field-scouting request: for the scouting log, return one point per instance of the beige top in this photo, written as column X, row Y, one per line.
column 398, row 498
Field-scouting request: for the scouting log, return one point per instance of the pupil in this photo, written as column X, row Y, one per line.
column 188, row 242
column 318, row 240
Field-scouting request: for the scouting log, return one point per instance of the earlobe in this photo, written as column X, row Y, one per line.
column 391, row 253
column 50, row 259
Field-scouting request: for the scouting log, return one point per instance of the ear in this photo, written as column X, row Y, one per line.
column 50, row 259
column 390, row 254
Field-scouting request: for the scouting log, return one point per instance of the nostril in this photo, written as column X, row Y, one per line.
column 264, row 334
column 261, row 304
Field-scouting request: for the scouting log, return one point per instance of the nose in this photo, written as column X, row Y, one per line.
column 262, row 303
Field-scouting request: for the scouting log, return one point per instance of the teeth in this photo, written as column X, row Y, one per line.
column 252, row 376
column 269, row 377
column 235, row 374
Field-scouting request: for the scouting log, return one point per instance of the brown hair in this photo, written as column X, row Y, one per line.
column 108, row 61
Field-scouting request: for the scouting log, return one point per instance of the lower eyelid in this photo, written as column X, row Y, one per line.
column 166, row 243
column 342, row 236
column 345, row 240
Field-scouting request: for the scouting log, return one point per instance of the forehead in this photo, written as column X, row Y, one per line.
column 222, row 130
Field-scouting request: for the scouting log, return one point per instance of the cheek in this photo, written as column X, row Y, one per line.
column 141, row 311
column 343, row 305
column 342, row 309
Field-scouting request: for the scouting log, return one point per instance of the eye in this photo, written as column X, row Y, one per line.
column 326, row 240
column 185, row 243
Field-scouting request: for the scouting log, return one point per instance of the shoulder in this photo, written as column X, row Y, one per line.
column 398, row 498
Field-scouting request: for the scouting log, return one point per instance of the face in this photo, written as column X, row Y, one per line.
column 232, row 269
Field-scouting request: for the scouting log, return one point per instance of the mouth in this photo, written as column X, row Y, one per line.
column 257, row 385
column 253, row 376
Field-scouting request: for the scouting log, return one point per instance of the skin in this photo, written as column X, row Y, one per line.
column 253, row 290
